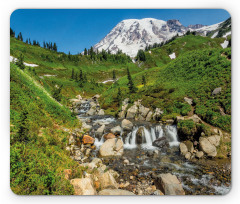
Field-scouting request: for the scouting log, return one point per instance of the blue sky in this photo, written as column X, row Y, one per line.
column 75, row 29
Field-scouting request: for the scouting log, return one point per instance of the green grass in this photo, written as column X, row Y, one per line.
column 181, row 45
column 194, row 74
column 38, row 156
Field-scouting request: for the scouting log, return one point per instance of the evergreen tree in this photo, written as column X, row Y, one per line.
column 131, row 86
column 85, row 51
column 141, row 55
column 20, row 62
column 12, row 33
column 27, row 41
column 57, row 93
column 119, row 96
column 81, row 75
column 114, row 75
column 54, row 47
column 143, row 80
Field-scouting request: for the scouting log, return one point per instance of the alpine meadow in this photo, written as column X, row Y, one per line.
column 145, row 111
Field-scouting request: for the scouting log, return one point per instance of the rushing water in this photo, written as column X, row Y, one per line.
column 192, row 176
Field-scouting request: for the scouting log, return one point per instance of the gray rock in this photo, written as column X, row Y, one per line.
column 131, row 112
column 121, row 114
column 169, row 184
column 92, row 111
column 126, row 124
column 140, row 135
column 183, row 148
column 189, row 145
column 207, row 147
column 149, row 116
column 83, row 186
column 188, row 100
column 101, row 112
column 161, row 142
column 116, row 130
column 111, row 147
column 143, row 111
column 100, row 131
column 217, row 91
column 215, row 140
column 195, row 118
column 188, row 155
column 199, row 154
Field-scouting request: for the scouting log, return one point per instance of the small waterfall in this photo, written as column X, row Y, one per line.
column 84, row 107
column 150, row 135
column 171, row 132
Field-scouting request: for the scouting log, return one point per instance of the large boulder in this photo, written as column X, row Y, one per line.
column 88, row 139
column 109, row 136
column 116, row 130
column 143, row 111
column 207, row 147
column 149, row 116
column 83, row 186
column 121, row 114
column 132, row 111
column 214, row 140
column 111, row 147
column 189, row 145
column 161, row 143
column 183, row 148
column 107, row 180
column 126, row 124
column 100, row 131
column 169, row 184
column 115, row 192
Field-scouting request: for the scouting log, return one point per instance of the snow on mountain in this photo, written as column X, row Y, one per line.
column 133, row 34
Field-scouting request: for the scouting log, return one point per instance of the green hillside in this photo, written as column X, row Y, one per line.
column 38, row 156
column 194, row 74
column 160, row 56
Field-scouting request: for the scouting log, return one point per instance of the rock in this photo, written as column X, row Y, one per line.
column 86, row 127
column 100, row 131
column 140, row 135
column 161, row 142
column 126, row 162
column 189, row 145
column 188, row 155
column 158, row 193
column 92, row 111
column 169, row 184
column 170, row 121
column 121, row 114
column 97, row 161
column 143, row 111
column 179, row 118
column 217, row 91
column 183, row 148
column 199, row 154
column 111, row 147
column 109, row 136
column 125, row 101
column 71, row 140
column 101, row 112
column 157, row 114
column 126, row 124
column 106, row 179
column 83, row 186
column 149, row 116
column 215, row 140
column 79, row 97
column 207, row 147
column 195, row 118
column 97, row 96
column 88, row 139
column 67, row 173
column 131, row 112
column 115, row 192
column 116, row 130
column 188, row 100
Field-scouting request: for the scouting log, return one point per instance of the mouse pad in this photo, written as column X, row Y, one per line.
column 120, row 102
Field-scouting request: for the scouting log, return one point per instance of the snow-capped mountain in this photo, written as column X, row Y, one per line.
column 132, row 35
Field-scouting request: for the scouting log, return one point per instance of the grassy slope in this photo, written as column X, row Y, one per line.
column 38, row 156
column 194, row 74
column 160, row 56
